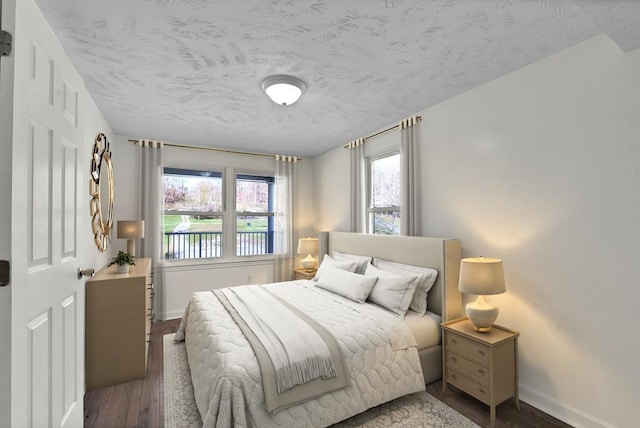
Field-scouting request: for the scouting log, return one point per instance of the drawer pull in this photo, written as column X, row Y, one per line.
column 454, row 359
column 481, row 372
column 455, row 342
column 149, row 341
column 152, row 294
column 481, row 352
column 481, row 391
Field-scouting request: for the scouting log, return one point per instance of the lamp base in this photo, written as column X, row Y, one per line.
column 482, row 314
column 131, row 246
column 309, row 264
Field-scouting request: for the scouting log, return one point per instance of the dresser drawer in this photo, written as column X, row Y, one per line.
column 468, row 347
column 468, row 385
column 467, row 366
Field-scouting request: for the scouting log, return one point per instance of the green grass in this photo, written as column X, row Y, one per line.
column 254, row 224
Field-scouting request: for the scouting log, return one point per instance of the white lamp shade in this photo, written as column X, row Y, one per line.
column 308, row 246
column 481, row 276
column 130, row 229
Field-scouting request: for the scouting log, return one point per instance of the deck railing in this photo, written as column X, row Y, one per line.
column 195, row 245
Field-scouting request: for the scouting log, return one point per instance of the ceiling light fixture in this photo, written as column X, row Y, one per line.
column 283, row 90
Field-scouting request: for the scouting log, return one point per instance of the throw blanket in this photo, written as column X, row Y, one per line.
column 296, row 350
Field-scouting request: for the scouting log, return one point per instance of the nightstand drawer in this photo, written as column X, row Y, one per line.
column 467, row 366
column 468, row 385
column 468, row 347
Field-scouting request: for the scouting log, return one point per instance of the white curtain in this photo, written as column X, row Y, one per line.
column 150, row 208
column 284, row 244
column 410, row 177
column 358, row 214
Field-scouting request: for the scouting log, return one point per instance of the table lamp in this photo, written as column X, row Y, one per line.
column 481, row 276
column 308, row 246
column 131, row 230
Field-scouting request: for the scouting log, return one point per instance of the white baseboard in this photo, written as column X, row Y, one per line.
column 562, row 411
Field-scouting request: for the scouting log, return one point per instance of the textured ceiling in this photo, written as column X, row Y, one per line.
column 189, row 71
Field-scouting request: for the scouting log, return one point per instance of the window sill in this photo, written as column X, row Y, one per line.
column 218, row 263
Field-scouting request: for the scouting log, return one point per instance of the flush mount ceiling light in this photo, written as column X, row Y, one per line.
column 283, row 90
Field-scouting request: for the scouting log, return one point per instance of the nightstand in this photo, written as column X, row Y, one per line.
column 303, row 274
column 484, row 365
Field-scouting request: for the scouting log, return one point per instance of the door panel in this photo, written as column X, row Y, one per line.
column 39, row 360
column 69, row 198
column 39, row 194
column 69, row 356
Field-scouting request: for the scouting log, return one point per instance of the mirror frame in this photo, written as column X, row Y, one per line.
column 101, row 222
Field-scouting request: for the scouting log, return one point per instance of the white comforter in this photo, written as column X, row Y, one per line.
column 379, row 351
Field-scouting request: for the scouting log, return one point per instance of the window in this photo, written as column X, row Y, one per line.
column 254, row 215
column 193, row 213
column 384, row 197
column 197, row 224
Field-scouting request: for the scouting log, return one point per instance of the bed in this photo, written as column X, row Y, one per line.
column 381, row 357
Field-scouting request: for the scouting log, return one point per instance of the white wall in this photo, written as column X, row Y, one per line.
column 331, row 180
column 540, row 168
column 178, row 280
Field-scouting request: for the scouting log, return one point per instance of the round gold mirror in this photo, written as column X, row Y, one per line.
column 102, row 193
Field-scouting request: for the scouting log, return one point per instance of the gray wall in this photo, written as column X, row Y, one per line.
column 540, row 168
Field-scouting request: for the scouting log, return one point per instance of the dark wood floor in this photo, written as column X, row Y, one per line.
column 140, row 403
column 133, row 404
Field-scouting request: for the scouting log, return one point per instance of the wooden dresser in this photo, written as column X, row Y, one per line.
column 118, row 316
column 484, row 365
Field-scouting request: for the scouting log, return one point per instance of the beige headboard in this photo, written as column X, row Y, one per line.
column 437, row 253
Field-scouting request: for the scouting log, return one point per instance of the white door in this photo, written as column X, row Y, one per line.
column 48, row 203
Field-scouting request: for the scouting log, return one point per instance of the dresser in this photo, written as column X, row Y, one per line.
column 484, row 365
column 118, row 323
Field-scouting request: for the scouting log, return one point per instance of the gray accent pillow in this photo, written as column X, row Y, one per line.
column 347, row 284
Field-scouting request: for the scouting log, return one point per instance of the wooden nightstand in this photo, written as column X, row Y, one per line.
column 303, row 274
column 484, row 365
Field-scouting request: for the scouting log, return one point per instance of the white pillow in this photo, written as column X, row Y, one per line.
column 347, row 284
column 362, row 261
column 328, row 261
column 393, row 292
column 419, row 300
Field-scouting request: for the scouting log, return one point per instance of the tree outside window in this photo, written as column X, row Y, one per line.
column 384, row 198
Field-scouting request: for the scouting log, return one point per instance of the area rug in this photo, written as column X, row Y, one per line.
column 415, row 410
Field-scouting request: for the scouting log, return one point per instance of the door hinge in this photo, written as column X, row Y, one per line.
column 4, row 273
column 5, row 43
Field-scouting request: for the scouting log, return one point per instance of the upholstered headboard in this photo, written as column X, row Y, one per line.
column 437, row 253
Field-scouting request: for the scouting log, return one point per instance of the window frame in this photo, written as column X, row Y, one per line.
column 370, row 210
column 209, row 172
column 228, row 214
column 270, row 179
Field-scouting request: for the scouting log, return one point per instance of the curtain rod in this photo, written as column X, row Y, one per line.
column 384, row 131
column 213, row 149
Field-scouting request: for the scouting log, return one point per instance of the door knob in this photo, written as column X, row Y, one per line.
column 89, row 273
